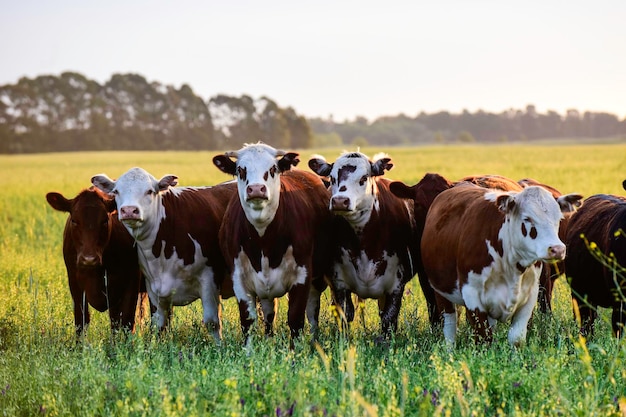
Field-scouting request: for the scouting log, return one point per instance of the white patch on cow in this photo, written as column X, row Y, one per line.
column 268, row 283
column 360, row 275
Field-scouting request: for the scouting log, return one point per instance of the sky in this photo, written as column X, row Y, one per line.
column 337, row 58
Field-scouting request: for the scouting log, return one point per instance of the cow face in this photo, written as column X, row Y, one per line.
column 137, row 195
column 352, row 183
column 531, row 226
column 89, row 224
column 257, row 168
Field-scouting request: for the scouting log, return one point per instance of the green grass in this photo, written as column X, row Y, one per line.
column 43, row 371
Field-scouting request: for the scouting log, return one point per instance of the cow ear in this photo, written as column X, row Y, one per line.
column 289, row 159
column 225, row 164
column 320, row 166
column 505, row 202
column 58, row 202
column 380, row 165
column 570, row 202
column 167, row 182
column 401, row 190
column 103, row 183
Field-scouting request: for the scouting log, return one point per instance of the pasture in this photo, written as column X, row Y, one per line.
column 44, row 372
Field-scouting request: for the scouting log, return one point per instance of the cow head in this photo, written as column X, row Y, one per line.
column 352, row 183
column 424, row 192
column 257, row 168
column 137, row 195
column 89, row 223
column 532, row 218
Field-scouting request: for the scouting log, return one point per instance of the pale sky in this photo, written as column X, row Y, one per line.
column 340, row 58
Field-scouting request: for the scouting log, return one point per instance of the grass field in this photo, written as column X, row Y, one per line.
column 44, row 372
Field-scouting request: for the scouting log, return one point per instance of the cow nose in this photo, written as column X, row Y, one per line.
column 88, row 260
column 340, row 203
column 556, row 252
column 256, row 191
column 130, row 213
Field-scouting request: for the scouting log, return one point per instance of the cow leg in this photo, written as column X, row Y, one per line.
column 618, row 320
column 434, row 314
column 390, row 312
column 313, row 309
column 297, row 309
column 81, row 315
column 588, row 315
column 245, row 319
column 124, row 311
column 345, row 308
column 479, row 320
column 212, row 308
column 269, row 308
column 545, row 288
column 448, row 311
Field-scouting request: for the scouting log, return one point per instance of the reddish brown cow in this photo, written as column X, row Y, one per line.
column 482, row 248
column 596, row 244
column 100, row 259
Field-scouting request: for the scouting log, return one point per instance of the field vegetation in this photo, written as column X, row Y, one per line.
column 44, row 371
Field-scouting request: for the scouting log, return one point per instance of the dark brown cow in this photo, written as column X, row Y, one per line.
column 423, row 193
column 100, row 259
column 596, row 244
column 482, row 248
column 374, row 246
column 271, row 235
column 175, row 231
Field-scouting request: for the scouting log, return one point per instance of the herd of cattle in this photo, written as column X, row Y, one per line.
column 488, row 243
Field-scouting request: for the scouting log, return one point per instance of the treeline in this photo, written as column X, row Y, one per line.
column 445, row 127
column 72, row 113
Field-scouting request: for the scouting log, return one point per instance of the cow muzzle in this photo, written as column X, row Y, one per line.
column 256, row 192
column 340, row 203
column 88, row 261
column 556, row 252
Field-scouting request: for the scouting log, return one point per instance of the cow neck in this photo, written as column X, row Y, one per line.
column 263, row 218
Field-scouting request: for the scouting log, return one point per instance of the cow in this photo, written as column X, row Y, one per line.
column 100, row 259
column 373, row 235
column 551, row 270
column 422, row 194
column 597, row 257
column 482, row 248
column 272, row 236
column 175, row 230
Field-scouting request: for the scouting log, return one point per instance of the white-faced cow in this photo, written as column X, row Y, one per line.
column 569, row 203
column 596, row 243
column 100, row 259
column 271, row 236
column 175, row 231
column 483, row 249
column 373, row 232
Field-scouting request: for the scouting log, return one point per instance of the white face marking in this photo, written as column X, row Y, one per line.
column 268, row 283
column 361, row 275
column 353, row 189
column 258, row 183
column 531, row 228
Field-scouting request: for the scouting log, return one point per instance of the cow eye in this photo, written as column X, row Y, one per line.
column 115, row 192
column 150, row 192
column 363, row 180
column 73, row 222
column 333, row 181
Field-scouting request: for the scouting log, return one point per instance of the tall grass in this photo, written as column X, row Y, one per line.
column 44, row 371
